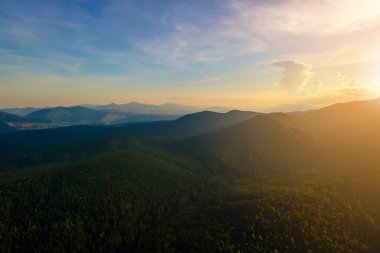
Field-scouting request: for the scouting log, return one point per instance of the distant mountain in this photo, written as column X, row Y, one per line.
column 347, row 129
column 207, row 121
column 205, row 182
column 345, row 132
column 350, row 113
column 79, row 115
column 133, row 108
column 189, row 125
column 76, row 138
column 168, row 108
column 72, row 115
column 289, row 108
column 7, row 117
column 4, row 127
column 12, row 122
column 22, row 111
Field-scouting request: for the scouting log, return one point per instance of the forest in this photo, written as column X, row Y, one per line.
column 269, row 183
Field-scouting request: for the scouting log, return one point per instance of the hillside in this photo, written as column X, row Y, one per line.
column 163, row 109
column 78, row 115
column 206, row 182
column 21, row 111
column 348, row 130
column 4, row 127
column 251, row 143
column 71, row 115
column 12, row 122
column 118, row 202
column 189, row 125
column 45, row 146
column 356, row 113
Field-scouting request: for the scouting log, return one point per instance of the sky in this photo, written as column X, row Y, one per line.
column 255, row 54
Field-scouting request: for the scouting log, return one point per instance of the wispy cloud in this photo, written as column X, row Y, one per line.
column 207, row 79
column 184, row 43
column 309, row 17
column 350, row 88
column 189, row 44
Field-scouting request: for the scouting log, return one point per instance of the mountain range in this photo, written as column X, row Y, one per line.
column 130, row 108
column 14, row 119
column 163, row 109
column 68, row 116
column 237, row 135
column 203, row 182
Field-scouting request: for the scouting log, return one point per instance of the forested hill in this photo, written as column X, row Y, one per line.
column 234, row 182
column 189, row 125
column 25, row 148
column 262, row 139
column 11, row 122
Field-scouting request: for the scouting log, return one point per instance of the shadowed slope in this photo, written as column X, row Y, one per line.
column 252, row 142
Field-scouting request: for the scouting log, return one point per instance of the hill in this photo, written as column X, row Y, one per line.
column 164, row 109
column 12, row 122
column 21, row 111
column 189, row 125
column 79, row 115
column 72, row 115
column 346, row 132
column 206, row 182
column 251, row 143
column 132, row 195
column 349, row 130
column 45, row 146
column 366, row 113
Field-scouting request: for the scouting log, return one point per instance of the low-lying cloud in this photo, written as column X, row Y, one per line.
column 344, row 82
column 350, row 88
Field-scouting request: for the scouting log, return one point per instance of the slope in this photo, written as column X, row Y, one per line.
column 11, row 122
column 349, row 130
column 263, row 141
column 189, row 125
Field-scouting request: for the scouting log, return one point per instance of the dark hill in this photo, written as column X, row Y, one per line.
column 246, row 144
column 78, row 115
column 189, row 125
column 21, row 111
column 11, row 122
column 69, row 115
column 87, row 140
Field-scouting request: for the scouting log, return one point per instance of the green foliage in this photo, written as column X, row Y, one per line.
column 108, row 204
column 270, row 184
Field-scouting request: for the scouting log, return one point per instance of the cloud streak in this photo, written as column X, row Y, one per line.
column 299, row 17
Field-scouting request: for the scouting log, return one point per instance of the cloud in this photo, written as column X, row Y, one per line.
column 354, row 92
column 296, row 75
column 298, row 17
column 344, row 82
column 313, row 87
column 206, row 79
column 350, row 88
column 191, row 43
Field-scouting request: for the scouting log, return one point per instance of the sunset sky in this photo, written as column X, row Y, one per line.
column 240, row 54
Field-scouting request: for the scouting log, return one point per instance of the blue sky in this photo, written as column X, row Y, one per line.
column 245, row 54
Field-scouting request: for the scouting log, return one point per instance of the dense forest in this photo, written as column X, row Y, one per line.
column 267, row 183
